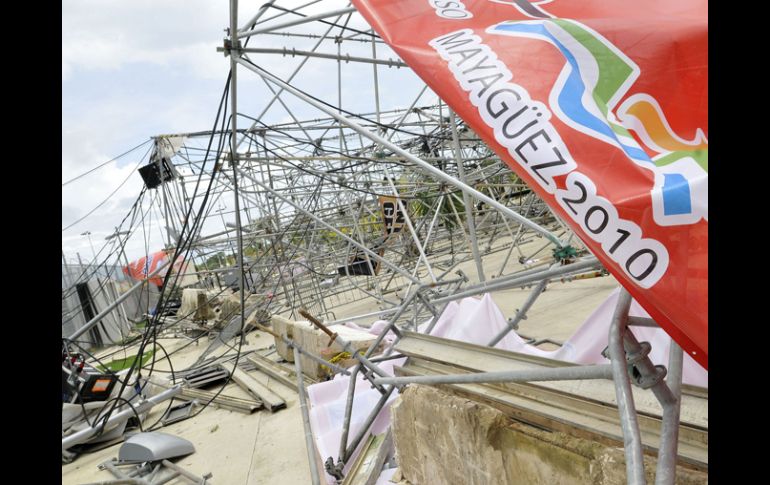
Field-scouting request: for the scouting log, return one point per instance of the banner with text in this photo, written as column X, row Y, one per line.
column 601, row 106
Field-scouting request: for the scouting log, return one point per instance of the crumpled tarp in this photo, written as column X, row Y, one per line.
column 474, row 321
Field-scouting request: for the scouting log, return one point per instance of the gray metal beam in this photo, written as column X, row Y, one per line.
column 344, row 57
column 292, row 23
column 400, row 151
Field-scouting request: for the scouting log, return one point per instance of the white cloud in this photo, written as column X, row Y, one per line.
column 131, row 70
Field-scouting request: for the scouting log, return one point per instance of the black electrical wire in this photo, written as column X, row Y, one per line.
column 151, row 327
column 105, row 163
column 108, row 197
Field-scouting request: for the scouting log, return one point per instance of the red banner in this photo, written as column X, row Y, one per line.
column 145, row 266
column 601, row 106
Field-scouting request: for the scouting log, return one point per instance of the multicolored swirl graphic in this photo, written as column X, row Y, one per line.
column 596, row 76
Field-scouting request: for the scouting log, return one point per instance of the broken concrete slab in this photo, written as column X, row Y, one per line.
column 314, row 340
column 283, row 326
column 442, row 438
column 195, row 305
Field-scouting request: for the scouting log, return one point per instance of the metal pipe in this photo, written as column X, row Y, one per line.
column 259, row 14
column 642, row 322
column 602, row 371
column 521, row 279
column 292, row 23
column 309, row 443
column 122, row 481
column 184, row 472
column 366, row 315
column 344, row 57
column 234, row 162
column 166, row 478
column 83, row 435
column 367, row 424
column 632, row 439
column 408, row 221
column 357, row 368
column 344, row 236
column 669, row 434
column 114, row 304
column 520, row 314
column 466, row 198
column 348, row 412
column 400, row 151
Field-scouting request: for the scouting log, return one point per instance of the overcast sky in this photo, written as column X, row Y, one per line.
column 135, row 69
column 130, row 70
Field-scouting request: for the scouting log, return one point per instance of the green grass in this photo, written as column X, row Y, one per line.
column 117, row 365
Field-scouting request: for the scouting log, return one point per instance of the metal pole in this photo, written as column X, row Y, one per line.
column 234, row 154
column 521, row 279
column 259, row 14
column 669, row 435
column 650, row 376
column 309, row 443
column 117, row 302
column 122, row 481
column 348, row 412
column 352, row 382
column 408, row 220
column 520, row 314
column 602, row 371
column 368, row 251
column 84, row 435
column 91, row 243
column 398, row 150
column 292, row 23
column 185, row 473
column 368, row 423
column 632, row 439
column 341, row 57
column 294, row 73
column 376, row 79
column 66, row 277
column 466, row 197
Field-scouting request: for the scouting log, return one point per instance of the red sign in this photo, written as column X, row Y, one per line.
column 146, row 265
column 601, row 107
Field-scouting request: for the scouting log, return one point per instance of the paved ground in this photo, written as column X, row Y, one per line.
column 269, row 448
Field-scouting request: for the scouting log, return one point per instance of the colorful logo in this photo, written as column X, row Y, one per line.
column 596, row 76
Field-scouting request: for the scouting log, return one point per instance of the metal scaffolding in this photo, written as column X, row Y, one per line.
column 303, row 199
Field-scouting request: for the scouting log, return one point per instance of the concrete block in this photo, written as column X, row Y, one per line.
column 195, row 305
column 283, row 326
column 441, row 438
column 313, row 340
column 317, row 342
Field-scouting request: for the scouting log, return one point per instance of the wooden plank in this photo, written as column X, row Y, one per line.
column 479, row 358
column 566, row 413
column 270, row 400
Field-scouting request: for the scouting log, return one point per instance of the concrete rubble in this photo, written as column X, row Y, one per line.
column 384, row 296
column 315, row 341
column 441, row 438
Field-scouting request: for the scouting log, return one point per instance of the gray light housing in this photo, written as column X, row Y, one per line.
column 154, row 446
